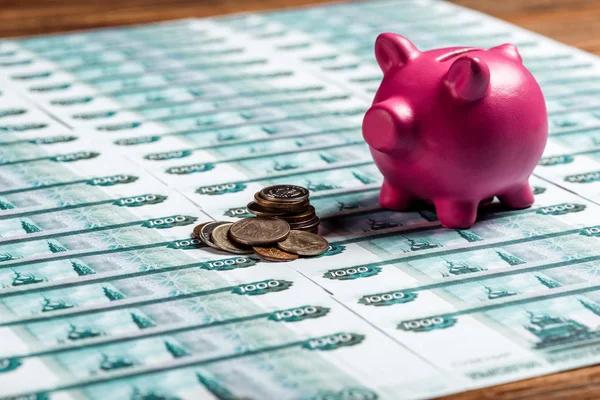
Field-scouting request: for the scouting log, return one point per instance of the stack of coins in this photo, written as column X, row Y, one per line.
column 289, row 203
column 271, row 239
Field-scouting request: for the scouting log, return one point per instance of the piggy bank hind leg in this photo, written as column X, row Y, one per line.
column 393, row 198
column 519, row 197
column 456, row 214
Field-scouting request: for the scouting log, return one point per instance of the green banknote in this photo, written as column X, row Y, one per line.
column 26, row 131
column 115, row 143
column 267, row 353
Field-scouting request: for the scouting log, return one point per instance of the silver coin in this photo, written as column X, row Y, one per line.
column 220, row 237
column 206, row 233
column 304, row 244
column 285, row 193
column 259, row 231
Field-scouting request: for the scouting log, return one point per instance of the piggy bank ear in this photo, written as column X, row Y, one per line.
column 509, row 50
column 393, row 50
column 468, row 79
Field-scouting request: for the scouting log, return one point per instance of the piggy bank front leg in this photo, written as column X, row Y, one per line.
column 519, row 197
column 393, row 198
column 456, row 214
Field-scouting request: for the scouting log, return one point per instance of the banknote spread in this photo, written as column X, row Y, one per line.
column 116, row 143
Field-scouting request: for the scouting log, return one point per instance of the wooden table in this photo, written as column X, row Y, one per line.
column 574, row 22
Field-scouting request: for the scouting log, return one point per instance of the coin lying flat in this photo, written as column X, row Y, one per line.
column 197, row 229
column 301, row 218
column 261, row 211
column 285, row 193
column 304, row 218
column 304, row 244
column 288, row 206
column 206, row 233
column 274, row 254
column 306, row 226
column 220, row 237
column 309, row 213
column 259, row 231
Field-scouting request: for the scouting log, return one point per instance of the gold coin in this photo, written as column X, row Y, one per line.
column 304, row 244
column 274, row 254
column 264, row 202
column 197, row 229
column 259, row 231
column 301, row 217
column 310, row 230
column 306, row 225
column 220, row 237
column 285, row 193
column 288, row 207
column 261, row 211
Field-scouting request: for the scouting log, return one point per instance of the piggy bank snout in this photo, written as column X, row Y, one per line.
column 388, row 125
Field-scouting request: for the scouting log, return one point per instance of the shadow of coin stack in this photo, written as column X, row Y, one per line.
column 289, row 203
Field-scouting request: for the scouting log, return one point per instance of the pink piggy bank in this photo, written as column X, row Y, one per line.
column 454, row 127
